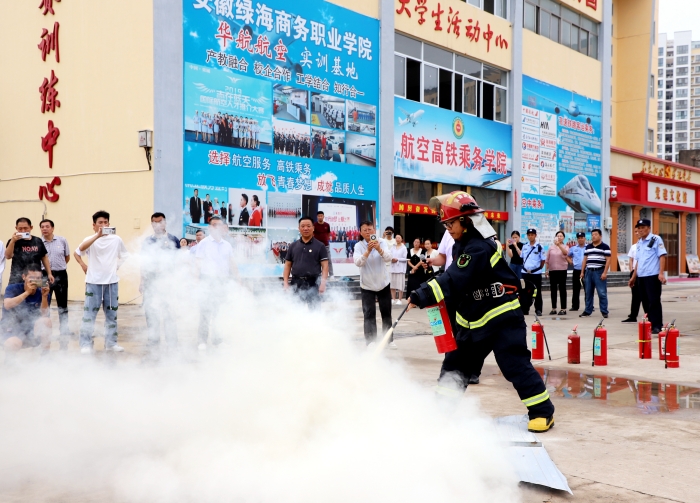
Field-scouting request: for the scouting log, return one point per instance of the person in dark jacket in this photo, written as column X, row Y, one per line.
column 484, row 291
column 195, row 207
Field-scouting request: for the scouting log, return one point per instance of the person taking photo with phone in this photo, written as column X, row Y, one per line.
column 25, row 313
column 106, row 253
column 24, row 249
column 373, row 257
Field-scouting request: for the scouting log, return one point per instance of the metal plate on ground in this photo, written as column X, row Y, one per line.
column 529, row 457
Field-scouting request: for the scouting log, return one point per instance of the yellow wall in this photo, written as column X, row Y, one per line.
column 632, row 21
column 480, row 50
column 560, row 66
column 367, row 7
column 106, row 92
column 584, row 8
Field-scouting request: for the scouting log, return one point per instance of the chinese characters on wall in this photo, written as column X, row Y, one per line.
column 48, row 95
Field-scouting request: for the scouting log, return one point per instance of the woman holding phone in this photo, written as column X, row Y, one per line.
column 557, row 263
column 515, row 249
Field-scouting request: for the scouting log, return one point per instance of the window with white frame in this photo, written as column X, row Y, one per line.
column 682, row 49
column 496, row 7
column 650, row 140
column 681, row 93
column 432, row 75
column 562, row 25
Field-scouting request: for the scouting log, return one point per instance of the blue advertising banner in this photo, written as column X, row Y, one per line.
column 561, row 161
column 439, row 145
column 280, row 114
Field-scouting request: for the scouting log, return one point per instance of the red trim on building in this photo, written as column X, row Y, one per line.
column 635, row 191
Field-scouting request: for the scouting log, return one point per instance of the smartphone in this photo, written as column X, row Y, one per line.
column 44, row 282
column 24, row 235
column 109, row 230
column 373, row 237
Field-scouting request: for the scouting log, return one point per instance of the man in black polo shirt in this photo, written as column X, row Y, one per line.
column 24, row 249
column 306, row 260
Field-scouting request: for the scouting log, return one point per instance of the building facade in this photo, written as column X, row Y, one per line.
column 674, row 111
column 364, row 110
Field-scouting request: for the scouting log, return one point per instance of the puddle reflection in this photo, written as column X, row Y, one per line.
column 648, row 397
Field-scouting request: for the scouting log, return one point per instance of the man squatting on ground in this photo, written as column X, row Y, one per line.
column 25, row 313
column 484, row 290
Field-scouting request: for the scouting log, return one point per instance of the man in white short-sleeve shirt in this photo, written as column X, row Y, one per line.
column 636, row 295
column 105, row 253
column 216, row 267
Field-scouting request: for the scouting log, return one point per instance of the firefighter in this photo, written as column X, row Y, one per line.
column 484, row 290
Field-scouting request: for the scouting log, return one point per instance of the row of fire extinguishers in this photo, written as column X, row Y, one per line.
column 668, row 339
column 668, row 344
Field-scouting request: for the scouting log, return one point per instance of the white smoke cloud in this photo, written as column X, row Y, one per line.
column 289, row 408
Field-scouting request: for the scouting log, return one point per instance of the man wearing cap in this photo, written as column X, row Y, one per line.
column 576, row 256
column 649, row 272
column 533, row 260
column 636, row 297
column 484, row 290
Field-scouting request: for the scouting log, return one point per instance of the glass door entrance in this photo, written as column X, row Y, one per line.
column 668, row 230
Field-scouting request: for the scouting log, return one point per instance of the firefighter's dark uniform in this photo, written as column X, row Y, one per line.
column 483, row 289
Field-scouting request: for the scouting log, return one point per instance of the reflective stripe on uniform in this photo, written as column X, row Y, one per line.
column 534, row 294
column 445, row 391
column 495, row 258
column 534, row 400
column 509, row 306
column 437, row 291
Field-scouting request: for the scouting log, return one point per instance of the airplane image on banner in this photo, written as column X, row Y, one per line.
column 580, row 195
column 411, row 118
column 572, row 108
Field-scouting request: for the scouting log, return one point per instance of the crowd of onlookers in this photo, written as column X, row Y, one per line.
column 38, row 274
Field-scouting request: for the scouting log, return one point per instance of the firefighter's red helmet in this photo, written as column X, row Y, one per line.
column 455, row 204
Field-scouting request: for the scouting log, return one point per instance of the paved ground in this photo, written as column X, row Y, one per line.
column 627, row 432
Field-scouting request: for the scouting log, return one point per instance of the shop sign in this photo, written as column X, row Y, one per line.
column 670, row 194
column 664, row 171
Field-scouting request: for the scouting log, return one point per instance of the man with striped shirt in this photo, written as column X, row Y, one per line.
column 594, row 271
column 59, row 256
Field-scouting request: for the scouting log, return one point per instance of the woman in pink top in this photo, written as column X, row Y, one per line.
column 557, row 263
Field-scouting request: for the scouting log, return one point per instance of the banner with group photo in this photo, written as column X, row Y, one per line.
column 281, row 102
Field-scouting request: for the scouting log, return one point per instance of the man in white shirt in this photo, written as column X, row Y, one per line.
column 105, row 253
column 444, row 252
column 216, row 266
column 373, row 258
column 636, row 295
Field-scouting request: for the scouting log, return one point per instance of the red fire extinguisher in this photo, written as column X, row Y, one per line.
column 662, row 342
column 671, row 349
column 574, row 347
column 644, row 339
column 537, row 342
column 441, row 327
column 538, row 336
column 600, row 345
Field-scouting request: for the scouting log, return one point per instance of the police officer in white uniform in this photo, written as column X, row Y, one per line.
column 649, row 272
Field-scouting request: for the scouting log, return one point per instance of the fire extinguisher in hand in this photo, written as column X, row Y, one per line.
column 441, row 327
